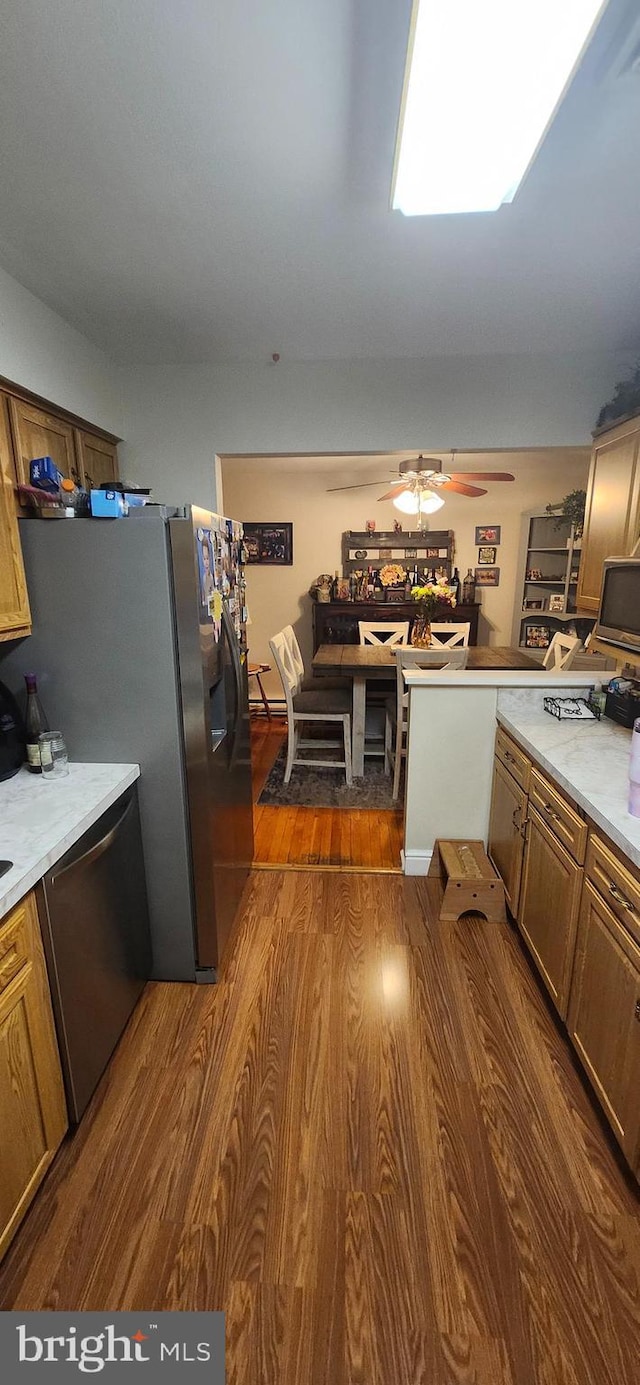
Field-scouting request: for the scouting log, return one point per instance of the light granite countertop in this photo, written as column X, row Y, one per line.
column 40, row 820
column 590, row 761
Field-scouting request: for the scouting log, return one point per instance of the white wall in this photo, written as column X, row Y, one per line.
column 296, row 490
column 178, row 418
column 41, row 352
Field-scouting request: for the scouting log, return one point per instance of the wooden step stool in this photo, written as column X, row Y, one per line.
column 471, row 881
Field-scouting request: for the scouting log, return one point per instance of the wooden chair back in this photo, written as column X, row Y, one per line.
column 289, row 674
column 450, row 635
column 562, row 651
column 424, row 658
column 294, row 649
column 393, row 632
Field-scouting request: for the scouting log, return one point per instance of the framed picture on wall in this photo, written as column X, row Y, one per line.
column 487, row 577
column 270, row 544
column 487, row 556
column 487, row 533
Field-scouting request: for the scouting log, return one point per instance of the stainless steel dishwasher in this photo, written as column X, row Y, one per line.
column 95, row 926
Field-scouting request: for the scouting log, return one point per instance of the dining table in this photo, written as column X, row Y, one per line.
column 375, row 662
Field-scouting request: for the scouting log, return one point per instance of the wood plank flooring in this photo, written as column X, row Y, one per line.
column 337, row 837
column 368, row 1144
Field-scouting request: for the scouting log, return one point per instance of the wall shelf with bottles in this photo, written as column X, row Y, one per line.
column 548, row 570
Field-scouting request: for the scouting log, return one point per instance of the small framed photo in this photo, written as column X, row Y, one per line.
column 487, row 556
column 269, row 544
column 487, row 533
column 487, row 577
column 411, row 552
column 556, row 602
column 385, row 553
column 537, row 637
column 534, row 605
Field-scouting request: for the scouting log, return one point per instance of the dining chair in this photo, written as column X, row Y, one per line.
column 315, row 707
column 457, row 634
column 562, row 652
column 397, row 709
column 310, row 683
column 394, row 632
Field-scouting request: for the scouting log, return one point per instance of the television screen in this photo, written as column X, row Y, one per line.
column 620, row 608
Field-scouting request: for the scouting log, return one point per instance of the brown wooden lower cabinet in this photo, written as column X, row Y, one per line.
column 548, row 915
column 604, row 1016
column 506, row 832
column 33, row 1116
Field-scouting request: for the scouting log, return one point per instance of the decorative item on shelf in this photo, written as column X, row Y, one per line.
column 487, row 556
column 537, row 604
column 370, row 526
column 570, row 510
column 429, row 600
column 392, row 575
column 320, row 590
column 537, row 637
column 625, row 401
column 469, row 589
column 488, row 533
column 487, row 576
column 344, row 591
column 556, row 602
column 534, row 574
column 397, row 526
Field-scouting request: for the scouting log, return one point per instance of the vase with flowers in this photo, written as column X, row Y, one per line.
column 429, row 599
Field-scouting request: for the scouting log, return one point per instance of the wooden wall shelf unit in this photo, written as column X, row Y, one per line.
column 336, row 622
column 425, row 548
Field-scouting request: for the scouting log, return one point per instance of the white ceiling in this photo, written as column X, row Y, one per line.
column 378, row 467
column 190, row 180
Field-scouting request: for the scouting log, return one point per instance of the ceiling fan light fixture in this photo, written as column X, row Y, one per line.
column 483, row 81
column 407, row 503
column 429, row 502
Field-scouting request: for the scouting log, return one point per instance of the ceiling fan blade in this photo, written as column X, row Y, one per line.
column 461, row 488
column 482, row 476
column 395, row 490
column 357, row 486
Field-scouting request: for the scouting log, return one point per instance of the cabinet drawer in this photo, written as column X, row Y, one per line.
column 615, row 883
column 14, row 945
column 513, row 758
column 558, row 815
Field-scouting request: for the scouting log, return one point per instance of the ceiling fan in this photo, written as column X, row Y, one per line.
column 420, row 480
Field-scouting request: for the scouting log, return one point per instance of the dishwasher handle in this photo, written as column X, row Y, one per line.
column 93, row 852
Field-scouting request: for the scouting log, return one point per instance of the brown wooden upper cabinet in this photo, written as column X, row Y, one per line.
column 97, row 459
column 15, row 617
column 40, row 434
column 612, row 518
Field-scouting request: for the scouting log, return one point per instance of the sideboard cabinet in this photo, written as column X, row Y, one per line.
column 336, row 622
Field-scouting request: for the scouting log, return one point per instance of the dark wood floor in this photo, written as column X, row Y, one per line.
column 368, row 1144
column 336, row 837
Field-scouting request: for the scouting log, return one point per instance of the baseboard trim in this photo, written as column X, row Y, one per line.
column 416, row 862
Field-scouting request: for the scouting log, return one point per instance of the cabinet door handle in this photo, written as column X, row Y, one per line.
column 619, row 897
column 552, row 812
column 517, row 819
column 508, row 756
column 637, row 1010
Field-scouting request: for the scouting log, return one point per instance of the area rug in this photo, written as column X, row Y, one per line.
column 326, row 788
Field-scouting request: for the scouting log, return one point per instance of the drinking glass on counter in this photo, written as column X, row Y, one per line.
column 53, row 754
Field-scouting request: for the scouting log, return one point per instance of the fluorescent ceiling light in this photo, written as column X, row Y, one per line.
column 482, row 83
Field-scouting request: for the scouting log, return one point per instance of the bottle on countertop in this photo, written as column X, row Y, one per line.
column 634, row 771
column 469, row 589
column 35, row 723
column 455, row 585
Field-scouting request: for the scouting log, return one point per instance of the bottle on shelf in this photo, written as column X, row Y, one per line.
column 35, row 723
column 455, row 585
column 334, row 586
column 469, row 589
column 370, row 584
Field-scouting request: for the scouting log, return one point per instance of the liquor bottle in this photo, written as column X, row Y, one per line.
column 469, row 589
column 370, row 585
column 455, row 585
column 334, row 587
column 378, row 589
column 35, row 723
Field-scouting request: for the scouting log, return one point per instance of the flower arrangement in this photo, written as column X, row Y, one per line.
column 391, row 575
column 433, row 595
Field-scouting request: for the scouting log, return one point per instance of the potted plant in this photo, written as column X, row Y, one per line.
column 570, row 510
column 429, row 599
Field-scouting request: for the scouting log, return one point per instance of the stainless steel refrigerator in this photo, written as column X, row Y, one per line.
column 139, row 646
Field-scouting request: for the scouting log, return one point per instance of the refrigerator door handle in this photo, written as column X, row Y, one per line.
column 230, row 633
